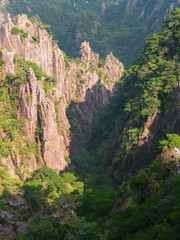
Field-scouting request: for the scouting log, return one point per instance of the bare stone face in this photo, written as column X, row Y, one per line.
column 87, row 85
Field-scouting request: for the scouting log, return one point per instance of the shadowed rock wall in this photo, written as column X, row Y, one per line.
column 83, row 80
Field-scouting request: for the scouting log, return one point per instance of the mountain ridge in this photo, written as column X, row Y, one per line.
column 122, row 135
column 122, row 29
column 42, row 105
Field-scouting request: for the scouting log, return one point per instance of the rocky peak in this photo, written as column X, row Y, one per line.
column 55, row 114
column 22, row 20
column 86, row 53
column 112, row 69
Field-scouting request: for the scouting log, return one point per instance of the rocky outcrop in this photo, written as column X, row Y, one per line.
column 57, row 121
column 8, row 61
column 3, row 11
column 87, row 54
column 111, row 68
column 37, row 46
column 11, row 226
column 39, row 115
column 93, row 87
column 134, row 162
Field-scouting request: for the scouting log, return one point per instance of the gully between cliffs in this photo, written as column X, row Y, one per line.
column 56, row 109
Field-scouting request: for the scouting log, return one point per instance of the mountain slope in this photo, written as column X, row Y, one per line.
column 121, row 27
column 39, row 96
column 142, row 203
column 136, row 142
column 145, row 108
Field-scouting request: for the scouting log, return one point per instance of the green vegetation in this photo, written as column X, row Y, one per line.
column 146, row 205
column 22, row 64
column 45, row 186
column 9, row 187
column 39, row 23
column 16, row 30
column 9, row 125
column 146, row 209
column 1, row 60
column 12, row 141
column 22, row 68
column 173, row 141
column 35, row 39
column 128, row 194
column 49, row 84
column 122, row 29
column 23, row 36
column 102, row 62
column 147, row 91
column 19, row 31
column 67, row 159
column 77, row 60
column 46, row 189
column 67, row 60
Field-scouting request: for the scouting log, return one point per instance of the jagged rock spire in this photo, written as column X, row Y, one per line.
column 86, row 53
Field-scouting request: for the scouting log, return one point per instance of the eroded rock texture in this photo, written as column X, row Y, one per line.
column 59, row 120
column 37, row 47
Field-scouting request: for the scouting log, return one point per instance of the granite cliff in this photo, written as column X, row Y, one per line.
column 58, row 106
column 130, row 159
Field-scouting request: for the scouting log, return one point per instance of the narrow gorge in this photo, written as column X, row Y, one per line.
column 77, row 89
column 89, row 150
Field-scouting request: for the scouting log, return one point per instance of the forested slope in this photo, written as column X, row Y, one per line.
column 136, row 142
column 121, row 27
column 146, row 107
column 130, row 165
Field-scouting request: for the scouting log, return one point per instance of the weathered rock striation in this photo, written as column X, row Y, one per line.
column 54, row 118
column 40, row 113
column 36, row 47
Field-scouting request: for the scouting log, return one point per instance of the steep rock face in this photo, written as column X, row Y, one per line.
column 111, row 68
column 132, row 163
column 36, row 47
column 92, row 86
column 38, row 113
column 55, row 119
column 86, row 53
column 155, row 126
column 23, row 212
column 3, row 11
column 8, row 61
column 7, row 230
